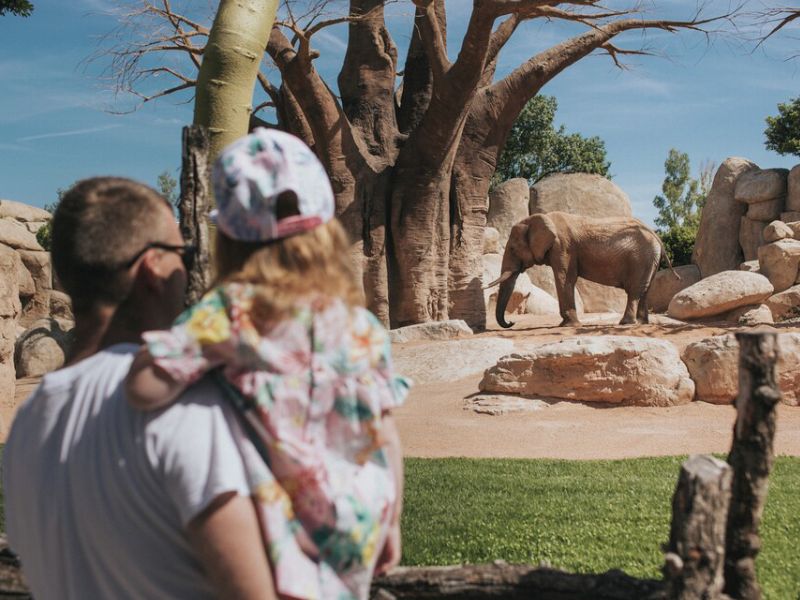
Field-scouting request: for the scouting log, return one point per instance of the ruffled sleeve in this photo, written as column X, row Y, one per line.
column 387, row 389
column 199, row 340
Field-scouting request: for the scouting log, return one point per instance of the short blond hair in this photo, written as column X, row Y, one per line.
column 315, row 264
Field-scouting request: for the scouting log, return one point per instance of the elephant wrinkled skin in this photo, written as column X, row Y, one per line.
column 618, row 251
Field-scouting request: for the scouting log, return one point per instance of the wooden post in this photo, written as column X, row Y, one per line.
column 751, row 457
column 695, row 554
column 193, row 207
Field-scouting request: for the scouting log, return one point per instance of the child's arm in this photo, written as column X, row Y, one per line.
column 148, row 387
column 392, row 549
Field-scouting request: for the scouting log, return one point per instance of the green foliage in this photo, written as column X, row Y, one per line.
column 680, row 205
column 783, row 131
column 168, row 186
column 21, row 8
column 535, row 148
column 582, row 516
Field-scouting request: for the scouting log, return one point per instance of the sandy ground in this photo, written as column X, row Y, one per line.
column 436, row 421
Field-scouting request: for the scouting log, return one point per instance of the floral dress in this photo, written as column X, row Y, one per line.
column 317, row 385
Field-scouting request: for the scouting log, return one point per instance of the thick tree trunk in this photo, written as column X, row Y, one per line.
column 751, row 457
column 696, row 551
column 224, row 91
column 193, row 207
column 510, row 582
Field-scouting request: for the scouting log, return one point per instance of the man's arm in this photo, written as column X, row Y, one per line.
column 226, row 537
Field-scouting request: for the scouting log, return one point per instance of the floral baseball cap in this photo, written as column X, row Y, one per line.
column 253, row 171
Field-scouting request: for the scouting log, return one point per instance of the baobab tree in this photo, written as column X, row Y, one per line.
column 411, row 164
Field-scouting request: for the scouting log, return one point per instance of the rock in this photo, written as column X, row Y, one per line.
column 433, row 330
column 8, row 375
column 579, row 194
column 610, row 369
column 794, row 226
column 757, row 314
column 717, row 247
column 779, row 263
column 542, row 277
column 10, row 263
column 27, row 288
column 17, row 236
column 719, row 294
column 448, row 361
column 786, row 304
column 714, row 366
column 491, row 241
column 665, row 285
column 790, row 216
column 769, row 210
column 35, row 226
column 22, row 212
column 508, row 205
column 540, row 302
column 502, row 404
column 599, row 298
column 793, row 190
column 751, row 265
column 777, row 230
column 38, row 265
column 760, row 185
column 751, row 236
column 61, row 306
column 42, row 348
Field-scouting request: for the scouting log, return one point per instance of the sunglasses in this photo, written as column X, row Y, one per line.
column 187, row 253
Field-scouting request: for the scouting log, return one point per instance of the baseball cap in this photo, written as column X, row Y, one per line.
column 253, row 171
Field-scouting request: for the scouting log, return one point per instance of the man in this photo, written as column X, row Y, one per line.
column 103, row 501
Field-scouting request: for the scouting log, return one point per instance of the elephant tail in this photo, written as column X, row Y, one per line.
column 665, row 256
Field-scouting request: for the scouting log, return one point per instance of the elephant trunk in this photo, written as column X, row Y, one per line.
column 503, row 296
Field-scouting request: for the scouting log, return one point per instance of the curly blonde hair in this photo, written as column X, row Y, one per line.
column 314, row 264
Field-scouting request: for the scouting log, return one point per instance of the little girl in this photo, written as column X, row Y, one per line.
column 288, row 338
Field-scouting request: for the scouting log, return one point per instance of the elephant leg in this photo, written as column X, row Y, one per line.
column 565, row 289
column 629, row 316
column 643, row 314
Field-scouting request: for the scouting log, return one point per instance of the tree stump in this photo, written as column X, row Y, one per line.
column 193, row 208
column 696, row 551
column 751, row 457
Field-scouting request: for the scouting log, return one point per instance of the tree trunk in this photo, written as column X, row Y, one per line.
column 227, row 77
column 193, row 208
column 751, row 457
column 696, row 550
column 510, row 582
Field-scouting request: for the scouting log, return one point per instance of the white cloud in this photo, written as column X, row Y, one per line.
column 56, row 134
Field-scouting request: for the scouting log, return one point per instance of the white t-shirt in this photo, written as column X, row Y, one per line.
column 97, row 494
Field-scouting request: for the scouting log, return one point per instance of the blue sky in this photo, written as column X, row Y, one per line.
column 707, row 99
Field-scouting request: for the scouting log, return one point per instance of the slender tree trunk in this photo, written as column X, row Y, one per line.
column 751, row 457
column 227, row 77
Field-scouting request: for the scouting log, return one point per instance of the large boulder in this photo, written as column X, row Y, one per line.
column 665, row 285
column 38, row 265
column 9, row 313
column 719, row 294
column 491, row 241
column 16, row 235
column 598, row 298
column 449, row 361
column 61, row 306
column 717, row 247
column 779, row 262
column 540, row 302
column 793, row 190
column 714, row 366
column 609, row 369
column 508, row 205
column 777, row 230
column 756, row 314
column 42, row 348
column 22, row 212
column 761, row 185
column 579, row 194
column 751, row 237
column 786, row 304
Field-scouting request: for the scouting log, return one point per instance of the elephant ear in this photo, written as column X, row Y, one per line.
column 541, row 236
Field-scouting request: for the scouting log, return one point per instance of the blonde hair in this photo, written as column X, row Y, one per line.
column 314, row 264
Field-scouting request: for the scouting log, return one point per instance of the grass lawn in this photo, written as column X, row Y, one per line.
column 582, row 516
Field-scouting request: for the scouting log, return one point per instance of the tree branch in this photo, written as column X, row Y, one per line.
column 432, row 39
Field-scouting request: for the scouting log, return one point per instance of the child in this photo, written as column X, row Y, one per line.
column 285, row 330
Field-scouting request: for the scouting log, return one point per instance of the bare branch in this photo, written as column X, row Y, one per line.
column 615, row 52
column 433, row 40
column 785, row 16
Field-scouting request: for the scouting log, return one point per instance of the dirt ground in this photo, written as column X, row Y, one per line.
column 436, row 420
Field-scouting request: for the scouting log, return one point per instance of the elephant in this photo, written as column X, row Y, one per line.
column 616, row 251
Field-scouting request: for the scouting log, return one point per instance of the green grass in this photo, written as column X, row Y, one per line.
column 582, row 516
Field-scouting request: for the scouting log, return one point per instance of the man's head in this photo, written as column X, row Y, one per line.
column 103, row 236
